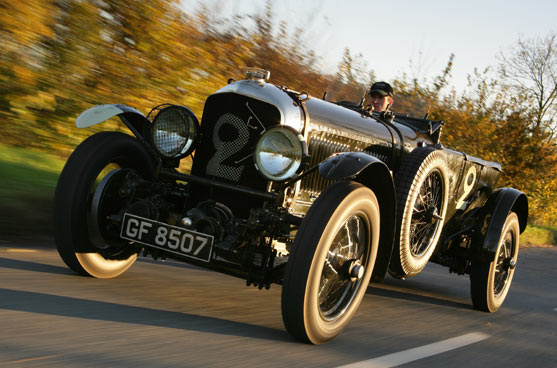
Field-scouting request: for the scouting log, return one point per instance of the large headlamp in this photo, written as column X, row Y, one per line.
column 175, row 131
column 279, row 153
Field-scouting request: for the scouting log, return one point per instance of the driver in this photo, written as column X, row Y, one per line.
column 381, row 96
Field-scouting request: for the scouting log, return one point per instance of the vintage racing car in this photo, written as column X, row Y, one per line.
column 285, row 188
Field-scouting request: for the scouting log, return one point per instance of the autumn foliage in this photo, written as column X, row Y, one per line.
column 60, row 57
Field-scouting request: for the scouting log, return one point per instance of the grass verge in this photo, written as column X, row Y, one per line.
column 27, row 183
column 539, row 235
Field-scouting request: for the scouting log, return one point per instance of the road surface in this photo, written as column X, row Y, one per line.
column 174, row 315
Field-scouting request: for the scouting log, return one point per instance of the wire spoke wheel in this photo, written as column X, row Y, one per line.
column 502, row 269
column 335, row 289
column 424, row 226
column 490, row 281
column 422, row 194
column 331, row 262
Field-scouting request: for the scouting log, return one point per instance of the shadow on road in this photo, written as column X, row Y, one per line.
column 443, row 290
column 34, row 266
column 25, row 301
column 415, row 296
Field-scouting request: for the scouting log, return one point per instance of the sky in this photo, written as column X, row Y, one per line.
column 416, row 37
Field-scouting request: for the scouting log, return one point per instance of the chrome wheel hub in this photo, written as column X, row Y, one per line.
column 343, row 270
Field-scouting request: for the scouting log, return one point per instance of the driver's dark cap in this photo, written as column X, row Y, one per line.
column 382, row 88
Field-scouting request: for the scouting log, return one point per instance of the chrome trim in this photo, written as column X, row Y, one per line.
column 290, row 114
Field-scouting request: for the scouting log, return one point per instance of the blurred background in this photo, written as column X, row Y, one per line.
column 60, row 57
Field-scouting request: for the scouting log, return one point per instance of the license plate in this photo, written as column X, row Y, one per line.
column 169, row 238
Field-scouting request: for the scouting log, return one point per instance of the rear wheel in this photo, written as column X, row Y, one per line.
column 333, row 255
column 90, row 172
column 490, row 281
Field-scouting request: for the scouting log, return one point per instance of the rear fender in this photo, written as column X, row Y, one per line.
column 373, row 173
column 493, row 216
column 134, row 120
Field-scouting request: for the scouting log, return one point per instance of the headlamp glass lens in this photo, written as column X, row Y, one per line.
column 278, row 154
column 173, row 132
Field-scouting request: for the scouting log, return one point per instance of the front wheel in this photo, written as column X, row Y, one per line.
column 490, row 281
column 86, row 247
column 329, row 269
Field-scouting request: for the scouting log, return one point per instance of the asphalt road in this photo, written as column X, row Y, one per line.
column 174, row 315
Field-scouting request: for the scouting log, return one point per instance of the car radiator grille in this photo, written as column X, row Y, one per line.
column 230, row 129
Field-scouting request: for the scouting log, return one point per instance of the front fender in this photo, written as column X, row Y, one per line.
column 345, row 165
column 493, row 216
column 373, row 173
column 134, row 120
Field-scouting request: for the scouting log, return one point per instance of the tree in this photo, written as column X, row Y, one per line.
column 352, row 79
column 530, row 69
column 24, row 26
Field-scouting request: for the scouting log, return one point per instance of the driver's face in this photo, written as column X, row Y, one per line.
column 379, row 103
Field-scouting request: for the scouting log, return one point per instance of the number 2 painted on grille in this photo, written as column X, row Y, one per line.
column 226, row 149
column 469, row 181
